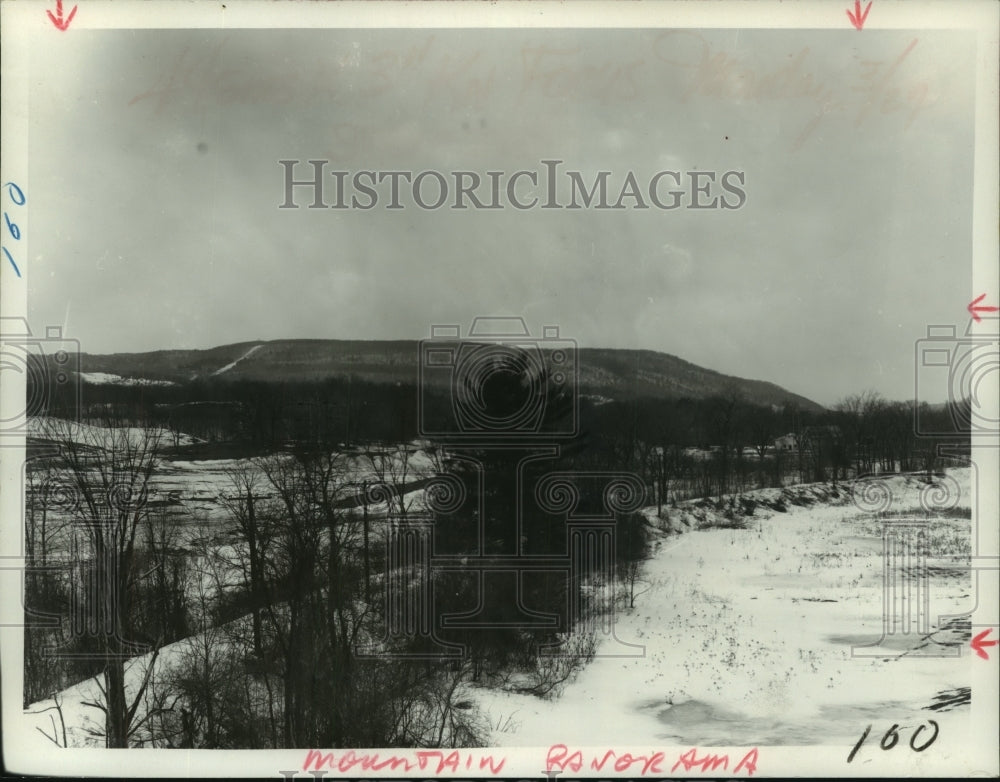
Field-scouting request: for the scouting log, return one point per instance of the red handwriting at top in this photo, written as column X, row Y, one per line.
column 858, row 17
column 57, row 18
column 559, row 758
column 436, row 761
column 878, row 86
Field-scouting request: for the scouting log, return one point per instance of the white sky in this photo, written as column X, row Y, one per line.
column 155, row 185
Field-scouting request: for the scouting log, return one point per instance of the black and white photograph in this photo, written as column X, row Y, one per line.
column 529, row 390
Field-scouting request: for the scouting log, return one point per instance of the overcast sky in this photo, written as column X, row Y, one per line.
column 155, row 183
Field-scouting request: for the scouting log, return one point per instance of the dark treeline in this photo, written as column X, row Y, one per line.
column 695, row 448
column 264, row 414
column 862, row 434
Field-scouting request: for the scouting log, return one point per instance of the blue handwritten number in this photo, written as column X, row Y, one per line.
column 16, row 270
column 12, row 227
column 17, row 196
column 15, row 193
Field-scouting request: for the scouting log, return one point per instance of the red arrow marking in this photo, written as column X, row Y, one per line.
column 58, row 20
column 975, row 308
column 979, row 643
column 858, row 18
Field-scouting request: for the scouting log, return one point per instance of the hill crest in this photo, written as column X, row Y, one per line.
column 610, row 373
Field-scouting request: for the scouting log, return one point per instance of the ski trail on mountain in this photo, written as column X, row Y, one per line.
column 232, row 364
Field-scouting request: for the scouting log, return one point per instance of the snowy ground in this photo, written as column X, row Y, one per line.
column 192, row 491
column 760, row 635
column 55, row 429
column 748, row 637
column 84, row 723
column 107, row 378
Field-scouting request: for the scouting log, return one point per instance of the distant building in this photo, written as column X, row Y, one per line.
column 788, row 442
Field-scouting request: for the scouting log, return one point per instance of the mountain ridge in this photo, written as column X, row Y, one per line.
column 615, row 373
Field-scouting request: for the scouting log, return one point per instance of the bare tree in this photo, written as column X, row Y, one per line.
column 725, row 432
column 390, row 464
column 857, row 414
column 317, row 543
column 110, row 469
column 48, row 500
column 162, row 566
column 762, row 433
column 57, row 737
column 253, row 528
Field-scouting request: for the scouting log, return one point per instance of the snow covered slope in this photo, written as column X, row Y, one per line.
column 756, row 636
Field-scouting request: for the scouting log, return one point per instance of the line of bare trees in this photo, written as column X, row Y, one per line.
column 264, row 618
column 697, row 448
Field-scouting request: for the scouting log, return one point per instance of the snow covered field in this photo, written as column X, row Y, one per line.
column 756, row 636
column 107, row 378
column 757, row 633
column 56, row 429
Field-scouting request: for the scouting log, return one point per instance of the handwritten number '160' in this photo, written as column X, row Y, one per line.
column 15, row 193
column 891, row 738
column 17, row 196
column 12, row 227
